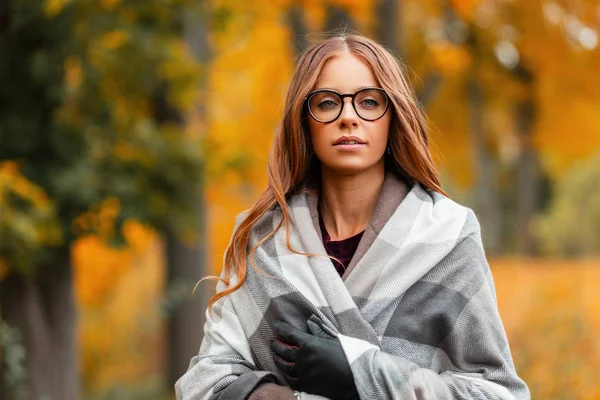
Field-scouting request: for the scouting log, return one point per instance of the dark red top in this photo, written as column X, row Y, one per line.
column 343, row 250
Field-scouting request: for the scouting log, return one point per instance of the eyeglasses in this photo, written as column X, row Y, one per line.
column 326, row 105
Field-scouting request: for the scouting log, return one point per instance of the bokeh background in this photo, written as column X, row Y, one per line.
column 133, row 131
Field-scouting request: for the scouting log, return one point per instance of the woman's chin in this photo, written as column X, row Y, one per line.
column 354, row 168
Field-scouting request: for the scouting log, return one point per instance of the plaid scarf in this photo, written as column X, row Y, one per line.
column 416, row 314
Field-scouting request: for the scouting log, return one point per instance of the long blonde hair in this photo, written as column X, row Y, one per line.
column 290, row 165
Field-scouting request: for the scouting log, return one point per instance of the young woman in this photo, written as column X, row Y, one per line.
column 353, row 275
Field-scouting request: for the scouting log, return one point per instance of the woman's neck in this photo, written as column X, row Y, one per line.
column 347, row 202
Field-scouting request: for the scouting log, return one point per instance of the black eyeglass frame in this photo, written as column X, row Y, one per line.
column 343, row 96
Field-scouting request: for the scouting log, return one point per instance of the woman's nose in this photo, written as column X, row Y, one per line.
column 348, row 116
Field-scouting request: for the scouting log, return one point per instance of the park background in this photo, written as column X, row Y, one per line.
column 132, row 132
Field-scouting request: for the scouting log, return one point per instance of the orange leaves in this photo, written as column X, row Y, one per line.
column 70, row 113
column 465, row 8
column 53, row 7
column 128, row 151
column 73, row 73
column 109, row 4
column 100, row 219
column 9, row 168
column 113, row 39
column 244, row 98
column 246, row 86
column 139, row 237
column 116, row 291
column 244, row 103
column 450, row 59
column 314, row 14
column 27, row 211
column 98, row 266
column 561, row 121
column 12, row 180
column 550, row 312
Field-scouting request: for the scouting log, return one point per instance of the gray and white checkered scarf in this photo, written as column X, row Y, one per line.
column 416, row 315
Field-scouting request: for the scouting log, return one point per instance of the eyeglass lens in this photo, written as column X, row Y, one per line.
column 369, row 104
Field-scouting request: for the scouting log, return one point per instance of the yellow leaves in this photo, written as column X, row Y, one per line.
column 139, row 237
column 559, row 121
column 314, row 14
column 244, row 102
column 116, row 289
column 183, row 71
column 465, row 8
column 53, row 7
column 11, row 179
column 549, row 309
column 450, row 134
column 9, row 168
column 69, row 112
column 73, row 73
column 100, row 219
column 125, row 151
column 109, row 4
column 450, row 59
column 98, row 266
column 128, row 151
column 9, row 171
column 113, row 40
column 125, row 107
column 34, row 218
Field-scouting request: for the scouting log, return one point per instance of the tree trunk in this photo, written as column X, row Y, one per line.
column 186, row 265
column 528, row 175
column 5, row 7
column 431, row 85
column 487, row 203
column 389, row 33
column 42, row 308
column 338, row 20
column 299, row 31
column 389, row 30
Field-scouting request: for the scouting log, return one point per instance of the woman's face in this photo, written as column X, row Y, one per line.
column 333, row 142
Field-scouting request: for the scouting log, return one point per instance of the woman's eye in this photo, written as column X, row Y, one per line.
column 369, row 103
column 327, row 104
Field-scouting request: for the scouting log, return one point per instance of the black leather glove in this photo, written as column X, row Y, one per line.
column 313, row 363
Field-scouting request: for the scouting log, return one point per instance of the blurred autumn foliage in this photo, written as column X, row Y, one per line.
column 511, row 90
column 92, row 97
column 117, row 292
column 551, row 311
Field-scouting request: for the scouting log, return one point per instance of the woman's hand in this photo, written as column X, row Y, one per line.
column 313, row 363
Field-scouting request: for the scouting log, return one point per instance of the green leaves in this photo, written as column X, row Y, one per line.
column 29, row 225
column 82, row 89
column 571, row 226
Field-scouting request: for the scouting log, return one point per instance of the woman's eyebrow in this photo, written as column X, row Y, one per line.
column 339, row 91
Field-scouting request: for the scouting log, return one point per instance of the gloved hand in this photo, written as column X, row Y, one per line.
column 313, row 363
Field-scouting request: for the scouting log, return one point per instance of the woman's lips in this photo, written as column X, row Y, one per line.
column 349, row 147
